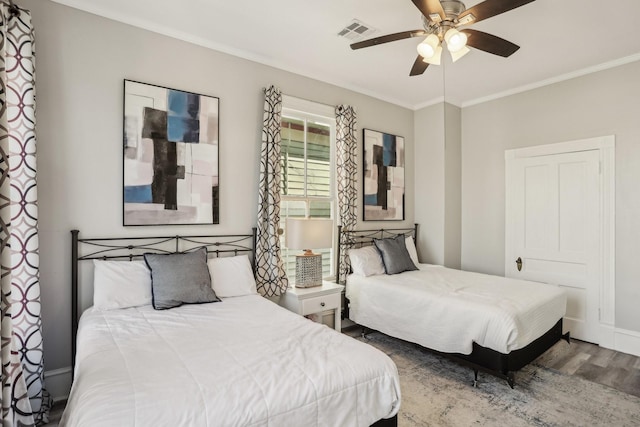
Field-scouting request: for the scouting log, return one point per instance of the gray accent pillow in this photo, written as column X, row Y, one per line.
column 395, row 256
column 178, row 279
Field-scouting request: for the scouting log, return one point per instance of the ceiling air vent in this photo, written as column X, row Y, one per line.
column 357, row 30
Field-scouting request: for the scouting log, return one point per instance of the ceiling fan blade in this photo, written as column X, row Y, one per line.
column 490, row 43
column 418, row 66
column 489, row 8
column 429, row 7
column 388, row 38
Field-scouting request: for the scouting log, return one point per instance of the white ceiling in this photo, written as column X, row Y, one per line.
column 558, row 39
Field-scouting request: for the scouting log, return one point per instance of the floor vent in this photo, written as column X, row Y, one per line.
column 357, row 30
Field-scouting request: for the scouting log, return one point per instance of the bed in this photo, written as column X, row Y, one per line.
column 490, row 323
column 217, row 363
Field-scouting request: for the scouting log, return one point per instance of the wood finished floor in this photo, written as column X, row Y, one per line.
column 601, row 365
column 611, row 368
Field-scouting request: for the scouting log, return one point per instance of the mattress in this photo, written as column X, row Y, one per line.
column 243, row 361
column 448, row 310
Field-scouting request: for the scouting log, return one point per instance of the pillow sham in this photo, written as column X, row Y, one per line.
column 232, row 276
column 411, row 248
column 181, row 278
column 120, row 284
column 366, row 261
column 395, row 256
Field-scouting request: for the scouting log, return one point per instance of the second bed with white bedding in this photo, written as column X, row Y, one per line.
column 448, row 310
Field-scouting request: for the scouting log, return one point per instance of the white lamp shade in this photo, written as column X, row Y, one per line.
column 429, row 46
column 306, row 233
column 455, row 40
column 435, row 59
column 425, row 50
column 459, row 53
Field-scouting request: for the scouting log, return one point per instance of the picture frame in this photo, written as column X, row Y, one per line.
column 383, row 176
column 170, row 156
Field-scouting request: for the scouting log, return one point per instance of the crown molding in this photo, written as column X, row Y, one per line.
column 557, row 79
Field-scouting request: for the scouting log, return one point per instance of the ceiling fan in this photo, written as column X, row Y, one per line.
column 441, row 18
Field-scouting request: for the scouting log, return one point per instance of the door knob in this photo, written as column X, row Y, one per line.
column 519, row 263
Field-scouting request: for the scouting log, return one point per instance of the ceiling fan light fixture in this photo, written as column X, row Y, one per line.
column 459, row 53
column 425, row 50
column 428, row 48
column 455, row 40
column 435, row 59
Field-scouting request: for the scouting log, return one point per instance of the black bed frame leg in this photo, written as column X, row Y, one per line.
column 511, row 379
column 475, row 378
column 567, row 337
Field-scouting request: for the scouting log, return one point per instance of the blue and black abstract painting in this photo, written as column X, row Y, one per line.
column 170, row 156
column 383, row 176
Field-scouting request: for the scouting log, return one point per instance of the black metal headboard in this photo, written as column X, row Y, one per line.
column 350, row 239
column 130, row 248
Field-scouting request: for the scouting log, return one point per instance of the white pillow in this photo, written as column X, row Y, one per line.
column 232, row 276
column 411, row 248
column 366, row 261
column 120, row 284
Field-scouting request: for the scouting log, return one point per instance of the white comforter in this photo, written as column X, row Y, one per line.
column 447, row 310
column 242, row 362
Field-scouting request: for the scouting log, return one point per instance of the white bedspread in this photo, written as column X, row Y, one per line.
column 447, row 310
column 242, row 362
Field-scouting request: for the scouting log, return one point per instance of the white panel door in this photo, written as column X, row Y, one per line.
column 553, row 207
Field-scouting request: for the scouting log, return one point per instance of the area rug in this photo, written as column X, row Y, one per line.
column 438, row 392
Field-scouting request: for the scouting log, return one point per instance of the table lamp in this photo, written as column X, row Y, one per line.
column 306, row 234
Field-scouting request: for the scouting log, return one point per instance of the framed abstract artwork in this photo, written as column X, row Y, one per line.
column 170, row 156
column 383, row 176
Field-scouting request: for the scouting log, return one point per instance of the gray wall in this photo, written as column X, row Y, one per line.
column 438, row 146
column 603, row 103
column 452, row 186
column 82, row 60
column 429, row 131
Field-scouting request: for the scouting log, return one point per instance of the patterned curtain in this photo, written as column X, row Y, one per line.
column 347, row 176
column 25, row 402
column 271, row 278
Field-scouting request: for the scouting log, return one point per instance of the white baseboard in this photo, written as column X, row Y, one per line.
column 621, row 340
column 58, row 383
column 627, row 342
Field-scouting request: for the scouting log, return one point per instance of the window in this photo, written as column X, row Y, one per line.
column 307, row 169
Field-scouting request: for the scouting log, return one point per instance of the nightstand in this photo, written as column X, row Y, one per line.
column 315, row 300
